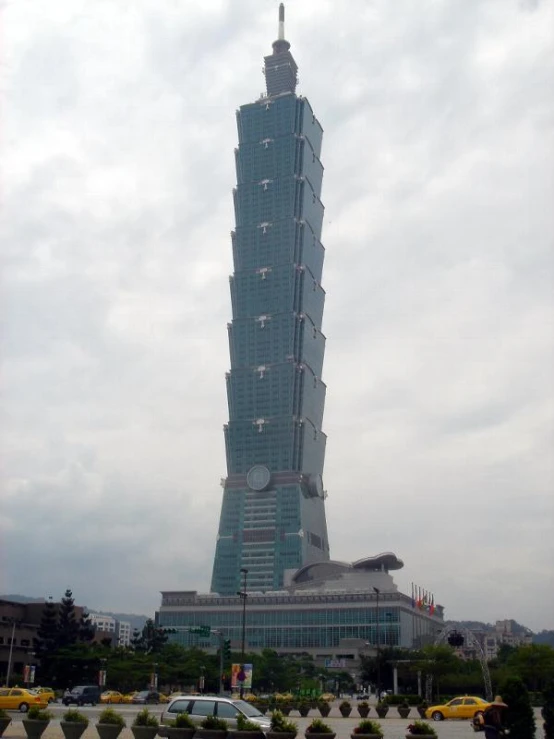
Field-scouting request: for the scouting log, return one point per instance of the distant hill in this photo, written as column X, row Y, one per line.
column 137, row 621
column 544, row 637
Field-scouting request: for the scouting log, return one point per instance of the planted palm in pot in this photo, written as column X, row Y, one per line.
column 324, row 708
column 421, row 729
column 5, row 720
column 110, row 724
column 403, row 709
column 320, row 728
column 422, row 708
column 73, row 723
column 36, row 722
column 281, row 727
column 345, row 708
column 363, row 709
column 145, row 725
column 212, row 728
column 382, row 709
column 247, row 729
column 182, row 727
column 304, row 708
column 367, row 729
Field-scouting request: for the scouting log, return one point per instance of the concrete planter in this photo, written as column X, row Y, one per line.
column 179, row 732
column 4, row 723
column 280, row 734
column 403, row 711
column 363, row 711
column 366, row 736
column 73, row 729
column 34, row 729
column 144, row 732
column 109, row 731
column 210, row 734
column 233, row 734
column 346, row 711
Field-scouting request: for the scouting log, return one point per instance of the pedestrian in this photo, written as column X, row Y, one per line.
column 492, row 719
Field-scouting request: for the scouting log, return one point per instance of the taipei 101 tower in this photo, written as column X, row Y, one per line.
column 273, row 510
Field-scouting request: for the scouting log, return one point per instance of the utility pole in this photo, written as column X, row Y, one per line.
column 243, row 595
column 377, row 591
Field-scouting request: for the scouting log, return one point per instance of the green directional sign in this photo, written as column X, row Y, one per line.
column 201, row 630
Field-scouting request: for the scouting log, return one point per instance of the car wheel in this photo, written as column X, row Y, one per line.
column 437, row 716
column 23, row 707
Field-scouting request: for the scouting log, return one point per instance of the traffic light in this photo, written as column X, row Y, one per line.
column 227, row 649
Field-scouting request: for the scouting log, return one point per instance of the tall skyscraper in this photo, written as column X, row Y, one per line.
column 273, row 512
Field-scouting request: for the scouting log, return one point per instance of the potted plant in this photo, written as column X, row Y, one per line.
column 145, row 725
column 324, row 707
column 73, row 723
column 345, row 708
column 382, row 709
column 110, row 724
column 367, row 729
column 320, row 728
column 363, row 709
column 246, row 729
column 36, row 722
column 212, row 728
column 181, row 728
column 421, row 729
column 403, row 709
column 5, row 720
column 304, row 707
column 281, row 728
column 422, row 708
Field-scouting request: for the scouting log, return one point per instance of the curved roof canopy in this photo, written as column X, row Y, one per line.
column 332, row 569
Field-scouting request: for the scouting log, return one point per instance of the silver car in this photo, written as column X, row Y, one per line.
column 200, row 706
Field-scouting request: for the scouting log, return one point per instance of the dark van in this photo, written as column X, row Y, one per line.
column 82, row 694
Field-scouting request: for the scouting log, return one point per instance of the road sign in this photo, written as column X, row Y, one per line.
column 201, row 630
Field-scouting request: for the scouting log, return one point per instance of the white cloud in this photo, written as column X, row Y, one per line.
column 117, row 177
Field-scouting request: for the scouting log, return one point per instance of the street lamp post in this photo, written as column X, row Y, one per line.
column 377, row 592
column 243, row 595
column 14, row 622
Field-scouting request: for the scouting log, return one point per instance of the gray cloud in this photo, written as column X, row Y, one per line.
column 117, row 178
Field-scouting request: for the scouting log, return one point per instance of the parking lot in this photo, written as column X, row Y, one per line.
column 393, row 728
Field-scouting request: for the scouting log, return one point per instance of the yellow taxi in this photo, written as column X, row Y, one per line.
column 111, row 696
column 47, row 692
column 466, row 706
column 20, row 699
column 128, row 697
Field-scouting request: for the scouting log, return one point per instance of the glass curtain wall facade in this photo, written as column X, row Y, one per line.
column 273, row 514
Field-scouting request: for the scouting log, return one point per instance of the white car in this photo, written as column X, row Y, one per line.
column 200, row 706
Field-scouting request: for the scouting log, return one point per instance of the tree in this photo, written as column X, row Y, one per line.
column 519, row 718
column 151, row 640
column 68, row 627
column 548, row 710
column 46, row 641
column 534, row 663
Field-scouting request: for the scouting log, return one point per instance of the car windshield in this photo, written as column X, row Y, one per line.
column 247, row 709
column 142, row 694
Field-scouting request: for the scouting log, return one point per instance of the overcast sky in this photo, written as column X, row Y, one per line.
column 118, row 129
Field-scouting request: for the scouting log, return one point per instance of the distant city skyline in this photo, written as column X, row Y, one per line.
column 117, row 175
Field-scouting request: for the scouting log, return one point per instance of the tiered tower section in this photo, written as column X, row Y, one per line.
column 273, row 514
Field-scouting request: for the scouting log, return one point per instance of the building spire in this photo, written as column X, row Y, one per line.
column 281, row 34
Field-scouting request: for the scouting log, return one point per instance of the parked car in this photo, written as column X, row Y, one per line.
column 128, row 697
column 111, row 696
column 81, row 695
column 200, row 706
column 466, row 706
column 47, row 692
column 146, row 696
column 20, row 699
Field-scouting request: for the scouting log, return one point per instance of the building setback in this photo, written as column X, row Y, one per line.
column 273, row 513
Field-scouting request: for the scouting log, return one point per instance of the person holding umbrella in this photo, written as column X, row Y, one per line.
column 492, row 719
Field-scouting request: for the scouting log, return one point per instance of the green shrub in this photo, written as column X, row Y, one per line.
column 318, row 727
column 110, row 716
column 39, row 714
column 145, row 718
column 3, row 714
column 419, row 728
column 214, row 723
column 368, row 726
column 281, row 724
column 548, row 710
column 72, row 716
column 183, row 721
column 518, row 717
column 243, row 724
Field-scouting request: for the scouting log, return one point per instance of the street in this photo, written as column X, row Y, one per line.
column 393, row 728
